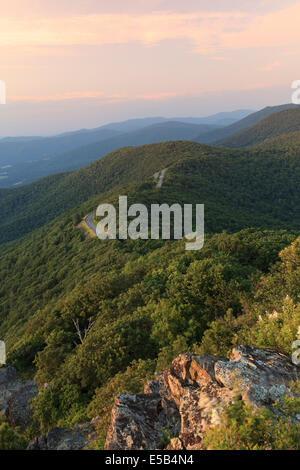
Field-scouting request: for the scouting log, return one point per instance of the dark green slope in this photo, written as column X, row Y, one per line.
column 255, row 184
column 288, row 143
column 239, row 190
column 281, row 123
column 221, row 134
column 26, row 208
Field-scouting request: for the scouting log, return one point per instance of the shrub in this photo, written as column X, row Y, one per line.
column 11, row 439
column 130, row 381
column 58, row 406
column 245, row 428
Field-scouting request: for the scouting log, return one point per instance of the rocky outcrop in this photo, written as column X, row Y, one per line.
column 15, row 397
column 9, row 384
column 18, row 411
column 141, row 421
column 191, row 395
column 76, row 438
column 263, row 376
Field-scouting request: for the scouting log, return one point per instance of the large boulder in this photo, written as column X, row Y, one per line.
column 15, row 397
column 9, row 384
column 141, row 422
column 191, row 395
column 76, row 438
column 18, row 411
column 262, row 375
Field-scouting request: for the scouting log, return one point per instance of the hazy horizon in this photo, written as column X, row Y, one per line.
column 72, row 65
column 103, row 124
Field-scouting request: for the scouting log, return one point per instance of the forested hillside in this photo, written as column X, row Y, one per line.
column 146, row 302
column 219, row 135
column 284, row 122
column 288, row 143
column 257, row 187
column 94, row 318
column 23, row 209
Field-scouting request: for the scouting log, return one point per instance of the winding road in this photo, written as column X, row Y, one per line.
column 89, row 222
column 158, row 178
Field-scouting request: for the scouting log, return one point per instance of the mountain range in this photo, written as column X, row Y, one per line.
column 274, row 125
column 89, row 319
column 25, row 159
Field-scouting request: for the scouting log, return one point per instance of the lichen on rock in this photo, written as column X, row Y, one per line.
column 191, row 396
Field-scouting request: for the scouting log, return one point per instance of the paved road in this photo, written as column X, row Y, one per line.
column 90, row 223
column 161, row 178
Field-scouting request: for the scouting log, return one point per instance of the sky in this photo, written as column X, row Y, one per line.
column 70, row 64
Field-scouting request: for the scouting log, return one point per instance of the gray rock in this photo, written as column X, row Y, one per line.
column 18, row 411
column 191, row 396
column 262, row 375
column 15, row 394
column 76, row 438
column 9, row 384
column 141, row 422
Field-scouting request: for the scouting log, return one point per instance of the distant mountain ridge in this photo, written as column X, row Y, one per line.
column 79, row 156
column 22, row 162
column 283, row 122
column 219, row 119
column 25, row 159
column 217, row 137
column 138, row 123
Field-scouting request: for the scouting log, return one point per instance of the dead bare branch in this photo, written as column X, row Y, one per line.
column 86, row 330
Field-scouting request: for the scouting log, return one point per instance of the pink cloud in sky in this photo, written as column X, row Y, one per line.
column 145, row 51
column 208, row 31
column 199, row 27
column 75, row 95
column 56, row 8
column 272, row 66
column 68, row 95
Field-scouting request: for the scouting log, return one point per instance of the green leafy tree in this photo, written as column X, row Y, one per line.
column 11, row 439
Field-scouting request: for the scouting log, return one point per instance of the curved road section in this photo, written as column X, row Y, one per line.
column 89, row 222
column 158, row 177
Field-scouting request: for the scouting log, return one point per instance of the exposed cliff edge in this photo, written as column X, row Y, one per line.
column 191, row 395
column 176, row 408
column 15, row 397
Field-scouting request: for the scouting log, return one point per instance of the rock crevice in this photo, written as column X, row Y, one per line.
column 191, row 395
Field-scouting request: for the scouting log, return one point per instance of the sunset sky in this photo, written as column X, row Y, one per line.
column 70, row 64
